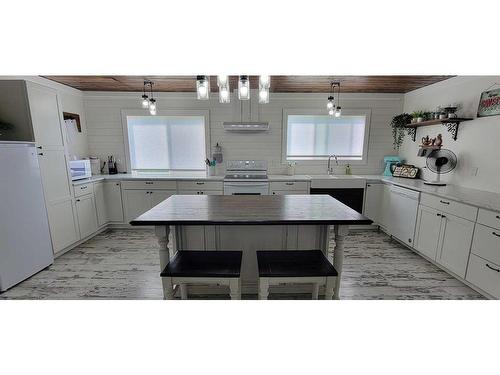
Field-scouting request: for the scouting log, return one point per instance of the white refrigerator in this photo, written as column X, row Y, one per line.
column 25, row 245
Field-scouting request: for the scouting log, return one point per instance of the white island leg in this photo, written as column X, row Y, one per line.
column 162, row 233
column 338, row 254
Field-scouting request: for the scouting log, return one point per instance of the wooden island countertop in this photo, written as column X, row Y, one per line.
column 251, row 210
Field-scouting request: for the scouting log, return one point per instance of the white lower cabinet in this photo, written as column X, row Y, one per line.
column 373, row 201
column 113, row 199
column 136, row 202
column 484, row 274
column 62, row 223
column 428, row 231
column 455, row 244
column 445, row 238
column 100, row 204
column 87, row 217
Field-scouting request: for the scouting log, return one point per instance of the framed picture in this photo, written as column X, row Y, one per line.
column 406, row 171
column 489, row 104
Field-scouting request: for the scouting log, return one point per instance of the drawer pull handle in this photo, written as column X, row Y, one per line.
column 491, row 268
column 495, row 234
column 83, row 187
column 439, row 215
column 444, row 202
column 149, row 183
column 78, row 200
column 498, row 216
column 290, row 183
column 200, row 183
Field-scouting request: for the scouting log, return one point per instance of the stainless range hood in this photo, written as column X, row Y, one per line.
column 246, row 126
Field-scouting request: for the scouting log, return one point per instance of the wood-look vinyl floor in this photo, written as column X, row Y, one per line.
column 124, row 264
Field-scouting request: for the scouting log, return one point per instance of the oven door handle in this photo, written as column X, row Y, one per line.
column 245, row 184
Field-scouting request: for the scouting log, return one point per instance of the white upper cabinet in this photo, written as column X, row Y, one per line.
column 45, row 115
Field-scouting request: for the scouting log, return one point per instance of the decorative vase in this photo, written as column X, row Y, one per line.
column 420, row 119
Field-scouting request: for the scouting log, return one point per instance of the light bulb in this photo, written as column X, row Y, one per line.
column 243, row 88
column 338, row 112
column 330, row 112
column 224, row 95
column 222, row 81
column 145, row 101
column 264, row 81
column 263, row 96
column 329, row 105
column 202, row 87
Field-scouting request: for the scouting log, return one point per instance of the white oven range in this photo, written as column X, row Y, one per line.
column 246, row 177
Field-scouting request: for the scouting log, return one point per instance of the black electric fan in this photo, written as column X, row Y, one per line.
column 440, row 162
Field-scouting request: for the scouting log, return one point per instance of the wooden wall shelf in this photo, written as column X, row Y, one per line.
column 450, row 123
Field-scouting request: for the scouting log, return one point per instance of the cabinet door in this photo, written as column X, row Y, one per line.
column 385, row 215
column 158, row 196
column 100, row 204
column 136, row 202
column 63, row 227
column 373, row 201
column 113, row 198
column 428, row 231
column 45, row 115
column 87, row 218
column 54, row 172
column 455, row 244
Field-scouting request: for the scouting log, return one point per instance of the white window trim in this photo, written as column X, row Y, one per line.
column 170, row 112
column 322, row 112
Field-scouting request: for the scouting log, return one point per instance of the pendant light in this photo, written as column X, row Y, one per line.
column 338, row 110
column 244, row 88
column 144, row 100
column 224, row 90
column 264, row 85
column 152, row 101
column 202, row 87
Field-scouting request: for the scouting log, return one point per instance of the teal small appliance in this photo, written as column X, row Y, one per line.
column 390, row 163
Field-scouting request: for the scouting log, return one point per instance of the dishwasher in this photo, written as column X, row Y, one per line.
column 402, row 215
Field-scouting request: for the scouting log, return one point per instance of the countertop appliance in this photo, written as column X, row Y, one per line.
column 390, row 163
column 25, row 245
column 80, row 169
column 246, row 177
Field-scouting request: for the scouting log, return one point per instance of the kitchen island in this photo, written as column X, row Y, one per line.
column 251, row 223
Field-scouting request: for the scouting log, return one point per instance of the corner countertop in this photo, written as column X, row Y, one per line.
column 474, row 197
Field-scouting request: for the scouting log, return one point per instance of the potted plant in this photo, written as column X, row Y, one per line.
column 418, row 116
column 398, row 125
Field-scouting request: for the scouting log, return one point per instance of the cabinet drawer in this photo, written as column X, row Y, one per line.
column 200, row 185
column 486, row 243
column 452, row 207
column 289, row 192
column 289, row 185
column 489, row 218
column 83, row 189
column 484, row 275
column 149, row 184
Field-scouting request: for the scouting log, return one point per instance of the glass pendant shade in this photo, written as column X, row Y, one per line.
column 145, row 101
column 331, row 112
column 338, row 111
column 152, row 107
column 329, row 103
column 243, row 88
column 202, row 87
column 264, row 96
column 223, row 81
column 264, row 82
column 224, row 96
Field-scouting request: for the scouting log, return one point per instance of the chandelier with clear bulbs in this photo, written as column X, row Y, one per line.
column 203, row 88
column 333, row 108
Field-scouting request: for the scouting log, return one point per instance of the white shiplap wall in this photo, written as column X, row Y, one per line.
column 105, row 131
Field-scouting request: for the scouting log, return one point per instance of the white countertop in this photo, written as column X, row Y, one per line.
column 474, row 197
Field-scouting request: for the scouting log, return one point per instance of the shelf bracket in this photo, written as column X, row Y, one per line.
column 452, row 127
column 412, row 132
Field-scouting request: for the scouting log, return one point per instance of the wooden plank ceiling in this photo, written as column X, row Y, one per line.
column 311, row 84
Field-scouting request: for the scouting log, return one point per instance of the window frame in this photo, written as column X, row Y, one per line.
column 168, row 112
column 322, row 112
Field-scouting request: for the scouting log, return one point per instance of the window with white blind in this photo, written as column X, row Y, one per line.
column 166, row 143
column 316, row 136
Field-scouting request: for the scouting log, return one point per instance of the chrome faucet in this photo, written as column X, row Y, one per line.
column 329, row 168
